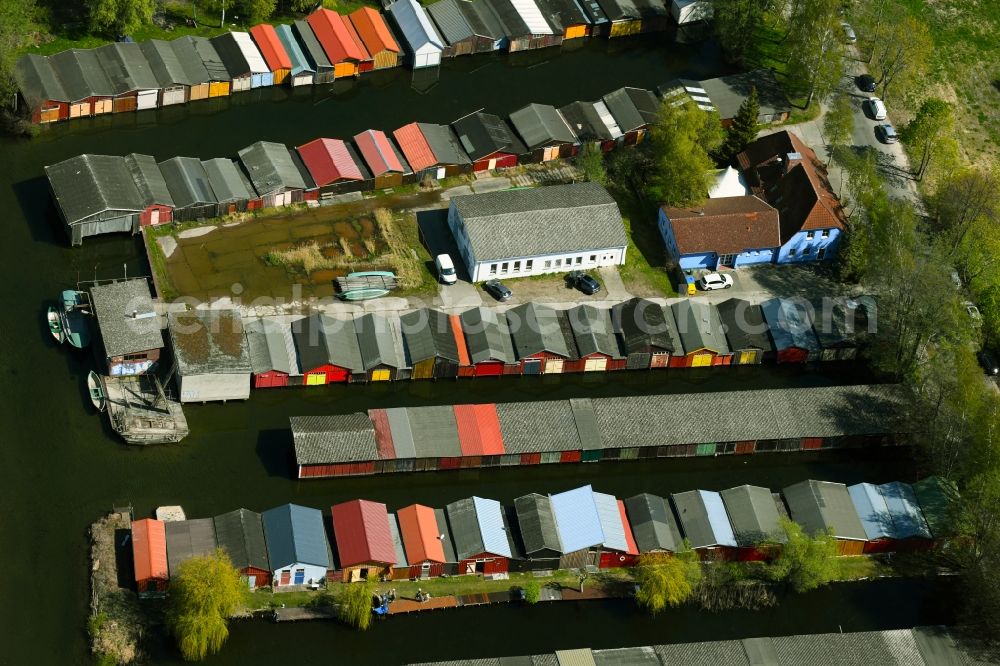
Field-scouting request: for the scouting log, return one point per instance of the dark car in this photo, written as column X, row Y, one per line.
column 583, row 282
column 988, row 360
column 866, row 82
column 497, row 290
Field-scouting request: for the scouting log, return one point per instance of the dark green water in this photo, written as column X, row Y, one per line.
column 60, row 467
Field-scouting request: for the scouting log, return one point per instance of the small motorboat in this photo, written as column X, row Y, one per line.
column 363, row 294
column 363, row 285
column 95, row 386
column 76, row 317
column 55, row 322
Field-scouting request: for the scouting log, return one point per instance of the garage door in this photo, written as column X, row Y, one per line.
column 660, row 360
column 381, row 375
column 103, row 106
column 576, row 31
column 344, row 69
column 701, row 360
column 595, row 365
column 173, row 96
column 147, row 99
column 316, row 379
column 532, row 366
column 749, row 357
column 553, row 366
column 77, row 110
column 336, row 375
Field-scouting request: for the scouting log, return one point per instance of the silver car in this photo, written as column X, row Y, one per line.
column 849, row 34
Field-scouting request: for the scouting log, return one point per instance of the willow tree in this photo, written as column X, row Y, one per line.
column 354, row 603
column 204, row 593
column 680, row 142
column 666, row 580
column 806, row 562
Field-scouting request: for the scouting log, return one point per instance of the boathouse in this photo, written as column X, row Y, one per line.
column 41, row 91
column 593, row 124
column 910, row 528
column 422, row 439
column 524, row 25
column 427, row 541
column 272, row 51
column 380, row 339
column 875, row 518
column 539, row 538
column 334, row 167
column 593, row 530
column 691, row 11
column 302, row 72
column 481, row 536
column 187, row 539
column 87, row 86
column 841, row 324
column 200, row 80
column 297, row 547
column 789, row 323
column 705, row 523
column 634, row 111
column 328, row 349
column 819, row 506
column 647, row 332
column 401, row 569
column 135, row 86
column 596, row 344
column 233, row 191
column 653, row 524
column 488, row 141
column 479, row 435
column 545, row 132
column 190, row 188
column 157, row 204
column 275, row 176
column 755, row 513
column 243, row 61
column 130, row 328
column 318, row 62
column 174, row 83
column 149, row 557
column 536, row 231
column 339, row 42
column 566, row 17
column 348, row 439
column 431, row 345
column 96, row 194
column 701, row 334
column 433, row 151
column 364, row 540
column 540, row 342
column 424, row 44
column 491, row 349
column 220, row 82
column 273, row 358
column 383, row 160
column 630, row 17
column 211, row 353
column 241, row 534
column 376, row 38
column 746, row 332
column 462, row 28
column 936, row 498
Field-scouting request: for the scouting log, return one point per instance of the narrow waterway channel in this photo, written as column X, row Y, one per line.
column 60, row 468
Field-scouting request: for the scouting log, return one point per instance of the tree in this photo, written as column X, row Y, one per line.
column 591, row 162
column 666, row 580
column 679, row 144
column 16, row 26
column 901, row 56
column 532, row 592
column 838, row 123
column 934, row 121
column 120, row 17
column 815, row 46
column 737, row 23
column 806, row 562
column 744, row 127
column 354, row 603
column 203, row 594
column 966, row 203
column 258, row 11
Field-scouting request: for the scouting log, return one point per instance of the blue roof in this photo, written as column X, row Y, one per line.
column 907, row 518
column 577, row 520
column 611, row 522
column 718, row 518
column 489, row 514
column 300, row 63
column 872, row 511
column 295, row 535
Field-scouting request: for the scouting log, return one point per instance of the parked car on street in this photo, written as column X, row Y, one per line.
column 988, row 360
column 849, row 34
column 886, row 133
column 445, row 269
column 497, row 290
column 583, row 282
column 713, row 281
column 875, row 108
column 866, row 82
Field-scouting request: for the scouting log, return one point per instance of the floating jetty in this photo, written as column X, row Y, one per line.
column 141, row 412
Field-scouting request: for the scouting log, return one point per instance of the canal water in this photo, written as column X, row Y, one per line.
column 61, row 467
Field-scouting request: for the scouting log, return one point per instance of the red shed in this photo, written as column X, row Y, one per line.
column 480, row 534
column 541, row 337
column 149, row 555
column 339, row 42
column 489, row 141
column 487, row 338
column 328, row 349
column 363, row 539
column 426, row 540
column 42, row 91
column 617, row 558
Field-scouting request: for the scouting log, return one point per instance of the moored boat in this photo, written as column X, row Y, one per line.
column 95, row 386
column 55, row 325
column 363, row 294
column 76, row 317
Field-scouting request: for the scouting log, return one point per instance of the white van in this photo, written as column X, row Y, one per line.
column 445, row 269
column 877, row 108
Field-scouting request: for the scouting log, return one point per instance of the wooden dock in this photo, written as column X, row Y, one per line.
column 400, row 606
column 141, row 412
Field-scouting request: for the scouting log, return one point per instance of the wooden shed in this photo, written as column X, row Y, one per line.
column 320, row 64
column 536, row 529
column 211, row 353
column 383, row 353
column 819, row 506
column 149, row 557
column 241, row 534
column 301, row 72
column 340, row 42
column 40, row 89
column 88, row 90
column 647, row 332
column 746, row 332
column 634, row 111
column 377, row 39
column 190, row 189
column 129, row 326
column 433, row 151
column 566, row 17
column 539, row 339
column 364, row 540
column 297, row 547
column 463, row 28
column 232, row 189
column 480, row 534
column 424, row 45
column 274, row 174
column 479, row 434
column 705, row 523
column 701, row 333
column 490, row 347
column 791, row 330
column 524, row 25
column 187, row 539
column 875, row 517
column 488, row 141
column 431, row 345
column 203, row 82
column 383, row 159
column 593, row 124
column 220, row 81
column 341, row 445
column 754, row 513
column 328, row 349
column 653, row 524
column 273, row 51
column 426, row 540
column 243, row 73
column 596, row 344
column 333, row 166
column 171, row 78
column 593, row 530
column 545, row 133
column 135, row 86
column 273, row 358
column 892, row 517
column 95, row 194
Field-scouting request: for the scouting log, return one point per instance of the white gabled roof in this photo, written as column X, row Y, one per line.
column 416, row 26
column 728, row 183
column 608, row 120
column 251, row 53
column 532, row 17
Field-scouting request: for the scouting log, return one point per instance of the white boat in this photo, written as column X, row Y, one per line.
column 95, row 385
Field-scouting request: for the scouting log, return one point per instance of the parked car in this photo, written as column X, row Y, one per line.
column 866, row 82
column 849, row 33
column 973, row 312
column 988, row 360
column 713, row 281
column 886, row 133
column 583, row 282
column 497, row 290
column 875, row 108
column 445, row 269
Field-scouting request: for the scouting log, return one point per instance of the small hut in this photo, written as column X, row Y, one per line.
column 212, row 355
column 364, row 541
column 705, row 523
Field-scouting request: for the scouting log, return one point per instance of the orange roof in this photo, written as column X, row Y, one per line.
column 415, row 147
column 334, row 37
column 373, row 31
column 479, row 430
column 629, row 539
column 354, row 36
column 270, row 47
column 459, row 334
column 149, row 549
column 421, row 538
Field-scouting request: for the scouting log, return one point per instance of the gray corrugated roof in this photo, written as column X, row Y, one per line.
column 624, row 110
column 114, row 305
column 397, row 541
column 443, row 142
column 435, row 432
column 699, row 326
column 465, row 528
column 719, row 653
column 209, row 342
column 126, row 68
column 484, row 134
column 187, row 182
column 585, row 121
column 703, row 518
column 427, row 334
column 538, row 426
column 630, row 656
column 593, row 331
column 321, row 339
column 402, row 434
column 535, row 328
column 885, row 648
column 487, row 335
column 539, row 221
column 195, row 69
column 450, row 21
column 537, row 524
column 226, row 181
column 789, row 324
column 165, row 65
column 729, row 92
column 586, row 423
column 513, row 25
column 446, row 541
column 744, row 325
column 270, row 168
column 753, row 514
column 380, row 340
column 295, row 535
column 483, row 19
column 231, row 55
column 271, row 346
column 87, row 185
column 313, row 49
column 187, row 539
column 562, row 13
column 81, row 74
column 241, row 534
column 541, row 125
column 210, row 58
column 653, row 524
column 818, row 505
column 645, row 326
column 344, row 437
column 148, row 179
column 38, row 81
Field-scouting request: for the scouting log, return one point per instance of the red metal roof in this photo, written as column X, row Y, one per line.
column 149, row 549
column 383, row 434
column 329, row 161
column 374, row 33
column 456, row 330
column 361, row 532
column 479, row 430
column 377, row 151
column 419, row 531
column 270, row 47
column 355, row 36
column 629, row 539
column 415, row 147
column 334, row 37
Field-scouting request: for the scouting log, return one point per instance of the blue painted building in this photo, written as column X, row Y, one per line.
column 727, row 231
column 297, row 546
